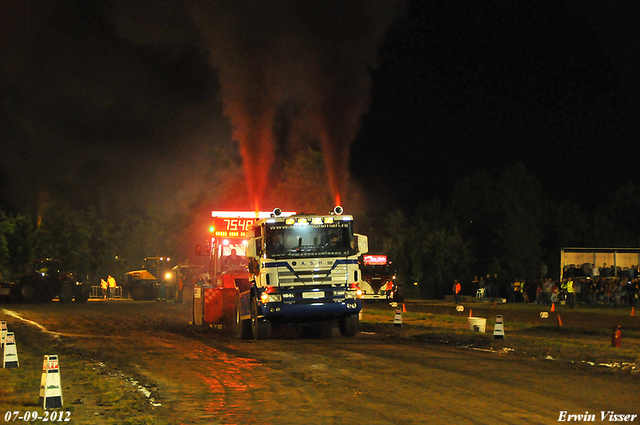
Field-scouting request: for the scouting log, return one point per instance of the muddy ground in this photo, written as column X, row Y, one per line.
column 141, row 362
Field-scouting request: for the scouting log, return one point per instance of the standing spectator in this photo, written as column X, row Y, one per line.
column 577, row 291
column 456, row 290
column 488, row 284
column 539, row 293
column 555, row 292
column 568, row 286
column 112, row 286
column 104, row 286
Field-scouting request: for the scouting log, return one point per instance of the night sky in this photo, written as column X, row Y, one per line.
column 114, row 103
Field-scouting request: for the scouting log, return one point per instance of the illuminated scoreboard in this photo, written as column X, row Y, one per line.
column 227, row 227
column 236, row 224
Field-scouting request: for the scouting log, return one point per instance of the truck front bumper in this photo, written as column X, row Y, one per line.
column 315, row 310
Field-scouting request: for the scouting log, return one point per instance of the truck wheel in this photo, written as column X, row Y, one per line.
column 349, row 325
column 261, row 327
column 138, row 292
column 82, row 293
column 29, row 292
column 241, row 328
column 66, row 293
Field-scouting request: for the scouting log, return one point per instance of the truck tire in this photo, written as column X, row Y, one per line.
column 241, row 328
column 29, row 291
column 261, row 328
column 81, row 293
column 138, row 292
column 349, row 325
column 66, row 292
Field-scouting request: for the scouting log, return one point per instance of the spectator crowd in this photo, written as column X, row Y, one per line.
column 584, row 285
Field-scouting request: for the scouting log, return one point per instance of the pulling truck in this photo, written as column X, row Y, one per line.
column 300, row 269
column 303, row 270
column 377, row 277
column 214, row 302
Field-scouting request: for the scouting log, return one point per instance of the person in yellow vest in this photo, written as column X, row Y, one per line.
column 112, row 286
column 104, row 286
column 570, row 295
column 567, row 285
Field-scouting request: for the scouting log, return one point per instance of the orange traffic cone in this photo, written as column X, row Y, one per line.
column 559, row 321
column 633, row 311
column 553, row 306
column 470, row 312
column 404, row 308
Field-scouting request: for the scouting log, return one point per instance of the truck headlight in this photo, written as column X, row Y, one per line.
column 270, row 298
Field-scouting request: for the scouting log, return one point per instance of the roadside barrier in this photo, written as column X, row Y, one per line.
column 96, row 292
column 498, row 329
column 10, row 358
column 397, row 320
column 50, row 388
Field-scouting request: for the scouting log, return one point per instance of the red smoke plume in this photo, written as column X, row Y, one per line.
column 314, row 54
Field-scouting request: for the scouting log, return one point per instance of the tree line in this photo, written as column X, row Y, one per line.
column 84, row 243
column 505, row 227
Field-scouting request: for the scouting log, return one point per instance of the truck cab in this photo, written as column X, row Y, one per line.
column 303, row 270
column 378, row 277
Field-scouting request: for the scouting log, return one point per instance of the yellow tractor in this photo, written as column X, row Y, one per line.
column 147, row 283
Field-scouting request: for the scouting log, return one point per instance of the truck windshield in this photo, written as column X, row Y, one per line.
column 311, row 240
column 377, row 270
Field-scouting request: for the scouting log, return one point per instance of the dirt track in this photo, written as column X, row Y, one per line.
column 379, row 377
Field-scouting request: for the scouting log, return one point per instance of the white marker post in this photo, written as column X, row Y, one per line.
column 498, row 330
column 3, row 332
column 10, row 358
column 50, row 388
column 397, row 320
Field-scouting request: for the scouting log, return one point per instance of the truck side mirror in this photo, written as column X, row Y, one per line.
column 363, row 243
column 251, row 248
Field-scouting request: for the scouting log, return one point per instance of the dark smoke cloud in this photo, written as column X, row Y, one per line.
column 120, row 104
column 314, row 55
column 104, row 103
